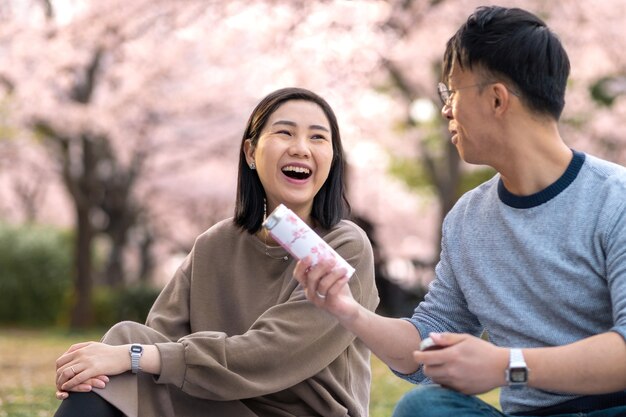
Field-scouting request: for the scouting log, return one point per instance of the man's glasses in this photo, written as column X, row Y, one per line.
column 445, row 94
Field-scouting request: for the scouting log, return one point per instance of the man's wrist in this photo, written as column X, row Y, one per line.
column 517, row 371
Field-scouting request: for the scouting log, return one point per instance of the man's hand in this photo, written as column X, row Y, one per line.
column 465, row 363
column 327, row 287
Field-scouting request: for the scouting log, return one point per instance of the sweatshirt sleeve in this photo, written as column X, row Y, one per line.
column 169, row 314
column 288, row 343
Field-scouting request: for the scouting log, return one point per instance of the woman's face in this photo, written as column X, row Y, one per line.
column 293, row 155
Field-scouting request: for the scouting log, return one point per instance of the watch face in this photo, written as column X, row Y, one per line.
column 136, row 349
column 518, row 375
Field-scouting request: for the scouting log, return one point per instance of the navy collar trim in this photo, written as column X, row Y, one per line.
column 545, row 195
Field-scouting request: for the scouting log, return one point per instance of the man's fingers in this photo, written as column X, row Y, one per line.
column 447, row 339
column 338, row 285
column 301, row 270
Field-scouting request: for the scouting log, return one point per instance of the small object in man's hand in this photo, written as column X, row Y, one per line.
column 429, row 344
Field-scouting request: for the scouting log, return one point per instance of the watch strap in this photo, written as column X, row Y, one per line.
column 136, row 351
column 517, row 372
column 516, row 358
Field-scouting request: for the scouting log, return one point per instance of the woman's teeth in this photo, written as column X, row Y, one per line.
column 297, row 172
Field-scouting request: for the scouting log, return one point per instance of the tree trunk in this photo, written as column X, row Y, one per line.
column 82, row 309
column 146, row 265
column 114, row 271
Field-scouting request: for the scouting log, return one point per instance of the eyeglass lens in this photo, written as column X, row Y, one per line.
column 444, row 93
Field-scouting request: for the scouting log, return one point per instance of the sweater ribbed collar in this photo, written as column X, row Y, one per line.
column 545, row 195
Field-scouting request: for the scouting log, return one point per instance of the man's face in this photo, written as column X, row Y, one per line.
column 469, row 116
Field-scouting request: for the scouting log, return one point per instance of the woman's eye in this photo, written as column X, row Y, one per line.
column 319, row 137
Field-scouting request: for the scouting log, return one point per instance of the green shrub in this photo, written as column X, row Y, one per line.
column 130, row 303
column 35, row 268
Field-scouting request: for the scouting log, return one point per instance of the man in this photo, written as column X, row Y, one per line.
column 536, row 256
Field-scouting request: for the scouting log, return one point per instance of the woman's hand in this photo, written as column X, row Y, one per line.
column 85, row 365
column 327, row 287
column 97, row 382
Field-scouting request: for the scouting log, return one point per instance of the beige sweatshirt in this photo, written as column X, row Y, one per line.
column 237, row 336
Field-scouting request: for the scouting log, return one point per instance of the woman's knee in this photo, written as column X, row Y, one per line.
column 125, row 332
column 80, row 404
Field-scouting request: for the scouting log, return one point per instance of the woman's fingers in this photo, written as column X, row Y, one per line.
column 70, row 354
column 65, row 374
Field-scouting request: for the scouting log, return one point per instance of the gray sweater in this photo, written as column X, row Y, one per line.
column 544, row 270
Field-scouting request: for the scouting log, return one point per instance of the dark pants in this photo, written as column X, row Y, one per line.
column 81, row 404
column 435, row 401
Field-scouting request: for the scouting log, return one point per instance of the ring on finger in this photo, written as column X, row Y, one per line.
column 320, row 295
column 72, row 368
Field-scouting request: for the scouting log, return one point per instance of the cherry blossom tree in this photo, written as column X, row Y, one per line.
column 149, row 96
column 593, row 34
column 125, row 117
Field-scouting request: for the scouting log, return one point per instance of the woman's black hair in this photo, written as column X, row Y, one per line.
column 330, row 205
column 518, row 45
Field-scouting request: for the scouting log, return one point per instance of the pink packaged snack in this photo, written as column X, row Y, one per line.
column 299, row 239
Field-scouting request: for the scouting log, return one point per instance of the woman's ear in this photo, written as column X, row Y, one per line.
column 248, row 151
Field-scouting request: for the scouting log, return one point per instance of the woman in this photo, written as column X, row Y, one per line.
column 232, row 334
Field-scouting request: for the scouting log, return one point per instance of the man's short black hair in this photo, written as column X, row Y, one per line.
column 518, row 46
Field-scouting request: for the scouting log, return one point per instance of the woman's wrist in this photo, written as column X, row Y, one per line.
column 150, row 361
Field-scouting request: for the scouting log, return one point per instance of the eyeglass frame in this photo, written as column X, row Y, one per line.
column 442, row 89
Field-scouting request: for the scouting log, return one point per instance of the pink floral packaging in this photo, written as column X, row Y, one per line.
column 299, row 239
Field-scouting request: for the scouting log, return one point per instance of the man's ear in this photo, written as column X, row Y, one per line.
column 248, row 151
column 501, row 98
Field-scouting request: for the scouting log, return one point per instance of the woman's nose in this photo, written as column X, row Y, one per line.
column 300, row 147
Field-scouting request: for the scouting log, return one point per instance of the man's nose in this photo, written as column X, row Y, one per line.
column 446, row 111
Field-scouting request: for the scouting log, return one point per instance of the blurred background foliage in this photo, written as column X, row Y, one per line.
column 120, row 123
column 119, row 129
column 36, row 283
column 36, row 268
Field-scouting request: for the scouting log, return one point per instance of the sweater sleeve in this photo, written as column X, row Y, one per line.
column 288, row 343
column 616, row 267
column 444, row 308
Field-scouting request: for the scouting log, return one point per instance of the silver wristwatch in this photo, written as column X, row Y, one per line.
column 517, row 372
column 135, row 354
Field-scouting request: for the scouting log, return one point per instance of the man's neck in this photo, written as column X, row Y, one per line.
column 535, row 160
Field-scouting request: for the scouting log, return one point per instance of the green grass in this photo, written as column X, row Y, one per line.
column 27, row 374
column 388, row 388
column 27, row 370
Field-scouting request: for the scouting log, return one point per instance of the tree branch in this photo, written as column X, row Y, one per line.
column 86, row 85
